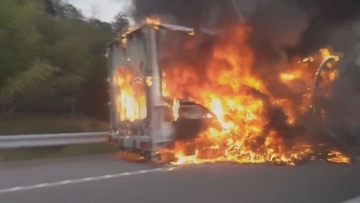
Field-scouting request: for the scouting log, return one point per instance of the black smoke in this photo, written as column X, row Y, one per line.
column 194, row 13
column 326, row 16
column 304, row 25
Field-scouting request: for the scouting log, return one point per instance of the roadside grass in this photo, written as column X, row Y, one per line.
column 26, row 154
column 47, row 124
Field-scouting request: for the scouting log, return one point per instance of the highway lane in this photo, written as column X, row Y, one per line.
column 315, row 182
column 42, row 171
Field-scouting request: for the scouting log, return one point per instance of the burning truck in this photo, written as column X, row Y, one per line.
column 184, row 108
column 221, row 95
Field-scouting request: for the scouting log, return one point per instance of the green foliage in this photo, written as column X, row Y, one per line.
column 26, row 82
column 46, row 61
column 20, row 41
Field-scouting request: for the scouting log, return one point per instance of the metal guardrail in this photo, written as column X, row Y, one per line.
column 43, row 140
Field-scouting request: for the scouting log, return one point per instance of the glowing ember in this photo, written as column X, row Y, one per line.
column 337, row 157
column 257, row 126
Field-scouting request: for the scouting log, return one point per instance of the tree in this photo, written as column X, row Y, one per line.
column 120, row 23
column 20, row 41
column 65, row 10
column 49, row 7
column 24, row 84
column 50, row 64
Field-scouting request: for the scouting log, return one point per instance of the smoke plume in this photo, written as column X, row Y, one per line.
column 310, row 22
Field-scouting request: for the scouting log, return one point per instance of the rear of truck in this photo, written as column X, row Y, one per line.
column 141, row 119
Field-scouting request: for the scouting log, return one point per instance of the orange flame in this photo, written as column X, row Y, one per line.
column 154, row 21
column 131, row 101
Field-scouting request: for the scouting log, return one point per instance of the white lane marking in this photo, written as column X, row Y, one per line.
column 354, row 200
column 75, row 181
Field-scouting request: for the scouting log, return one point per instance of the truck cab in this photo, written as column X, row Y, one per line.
column 142, row 120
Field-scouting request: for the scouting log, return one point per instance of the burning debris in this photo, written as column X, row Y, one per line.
column 260, row 95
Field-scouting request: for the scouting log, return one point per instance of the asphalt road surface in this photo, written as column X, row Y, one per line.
column 106, row 179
